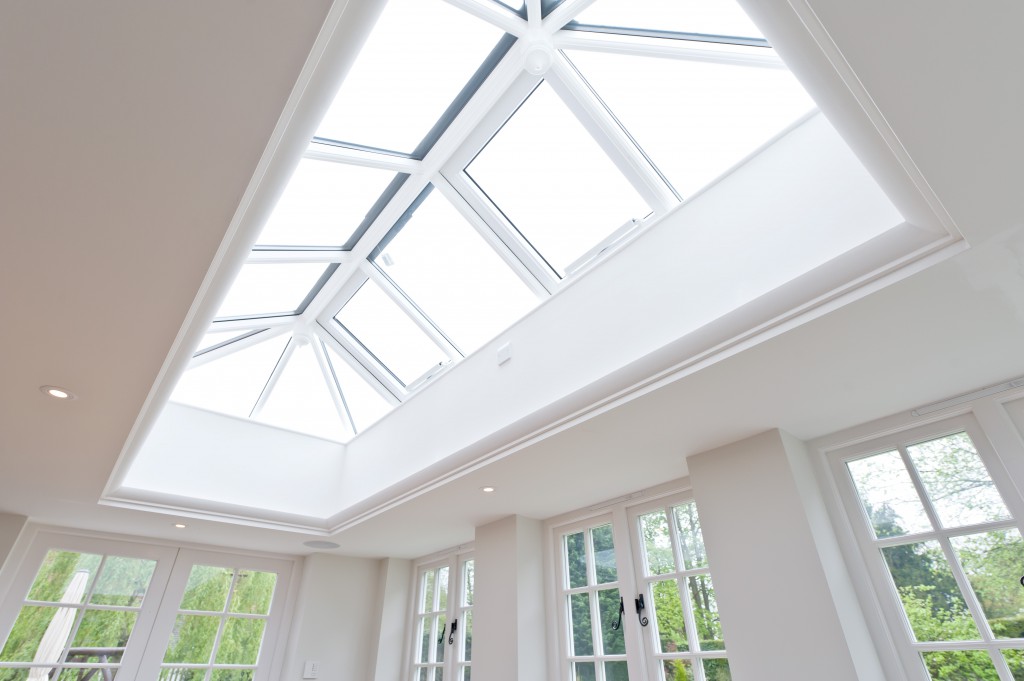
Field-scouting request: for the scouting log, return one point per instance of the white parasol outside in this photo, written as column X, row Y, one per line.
column 55, row 639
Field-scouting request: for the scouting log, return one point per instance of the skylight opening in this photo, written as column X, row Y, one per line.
column 540, row 178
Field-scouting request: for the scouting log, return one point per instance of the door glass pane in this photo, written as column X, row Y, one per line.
column 957, row 482
column 604, row 554
column 717, row 669
column 207, row 589
column 419, row 56
column 714, row 17
column 33, row 623
column 694, row 119
column 677, row 670
column 429, row 579
column 583, row 671
column 468, row 581
column 301, row 399
column 888, row 495
column 102, row 636
column 705, row 612
column 608, row 607
column 576, row 559
column 616, row 671
column 954, row 665
column 253, row 592
column 993, row 563
column 267, row 289
column 324, row 204
column 444, row 266
column 668, row 610
column 192, row 639
column 657, row 545
column 579, row 612
column 442, row 638
column 424, row 647
column 240, row 642
column 64, row 577
column 691, row 541
column 388, row 333
column 230, row 675
column 466, row 624
column 576, row 195
column 231, row 384
column 1015, row 660
column 123, row 581
column 931, row 599
column 442, row 588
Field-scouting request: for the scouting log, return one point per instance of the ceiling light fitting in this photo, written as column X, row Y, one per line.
column 57, row 392
column 487, row 489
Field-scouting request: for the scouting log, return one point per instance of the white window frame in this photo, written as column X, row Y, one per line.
column 887, row 599
column 155, row 622
column 454, row 658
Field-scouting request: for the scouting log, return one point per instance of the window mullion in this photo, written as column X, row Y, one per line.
column 687, row 50
column 564, row 13
column 275, row 375
column 337, row 396
column 493, row 14
column 611, row 136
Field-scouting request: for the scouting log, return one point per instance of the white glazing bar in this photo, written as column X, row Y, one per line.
column 275, row 375
column 493, row 13
column 564, row 13
column 362, row 157
column 384, row 385
column 332, row 384
column 535, row 275
column 627, row 157
column 534, row 14
column 300, row 255
column 240, row 344
column 425, row 324
column 669, row 49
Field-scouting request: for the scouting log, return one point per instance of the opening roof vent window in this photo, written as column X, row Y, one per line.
column 404, row 242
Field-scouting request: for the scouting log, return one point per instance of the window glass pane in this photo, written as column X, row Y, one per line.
column 657, row 545
column 207, row 589
column 717, row 669
column 390, row 334
column 253, row 592
column 691, row 541
column 468, row 580
column 677, row 670
column 192, row 639
column 957, row 482
column 240, row 642
column 419, row 56
column 424, row 648
column 123, row 581
column 229, row 675
column 575, row 197
column 466, row 624
column 442, row 638
column 442, row 589
column 1015, row 660
column 668, row 611
column 694, row 119
column 888, row 495
column 583, row 671
column 616, row 671
column 993, row 563
column 324, row 204
column 931, row 599
column 579, row 616
column 427, row 603
column 25, row 642
column 275, row 288
column 446, row 268
column 105, row 630
column 181, row 674
column 710, row 17
column 300, row 399
column 608, row 608
column 231, row 384
column 954, row 665
column 576, row 560
column 705, row 612
column 64, row 577
column 604, row 554
column 364, row 403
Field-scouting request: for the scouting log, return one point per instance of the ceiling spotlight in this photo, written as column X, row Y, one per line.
column 57, row 392
column 487, row 489
column 180, row 526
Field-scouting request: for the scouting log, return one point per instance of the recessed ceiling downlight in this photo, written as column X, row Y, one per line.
column 320, row 544
column 487, row 489
column 57, row 392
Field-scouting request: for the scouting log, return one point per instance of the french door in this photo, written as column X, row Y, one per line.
column 84, row 609
column 635, row 597
column 443, row 646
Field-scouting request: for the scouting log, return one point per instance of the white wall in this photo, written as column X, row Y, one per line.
column 509, row 624
column 788, row 610
column 11, row 526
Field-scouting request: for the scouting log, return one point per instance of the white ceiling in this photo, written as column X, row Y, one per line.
column 131, row 130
